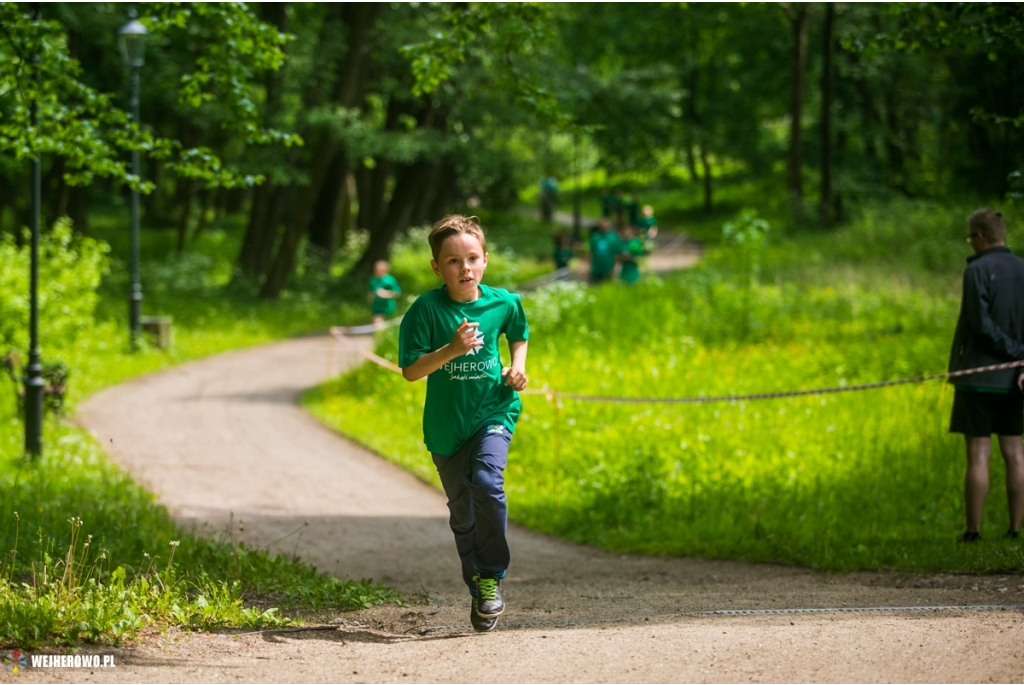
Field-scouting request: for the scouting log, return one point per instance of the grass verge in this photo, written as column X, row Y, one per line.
column 842, row 482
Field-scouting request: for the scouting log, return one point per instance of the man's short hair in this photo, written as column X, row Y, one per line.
column 454, row 224
column 989, row 224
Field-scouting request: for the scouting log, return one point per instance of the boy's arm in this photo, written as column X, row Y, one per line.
column 464, row 340
column 515, row 375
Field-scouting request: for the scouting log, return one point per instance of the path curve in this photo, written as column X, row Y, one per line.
column 222, row 440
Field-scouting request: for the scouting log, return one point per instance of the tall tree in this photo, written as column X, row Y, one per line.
column 798, row 18
column 825, row 206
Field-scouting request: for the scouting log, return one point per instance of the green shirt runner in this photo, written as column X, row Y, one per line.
column 384, row 305
column 630, row 271
column 467, row 393
column 604, row 247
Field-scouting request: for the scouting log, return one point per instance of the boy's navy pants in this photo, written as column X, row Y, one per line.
column 474, row 481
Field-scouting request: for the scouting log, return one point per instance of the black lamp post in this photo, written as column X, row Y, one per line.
column 34, row 373
column 133, row 46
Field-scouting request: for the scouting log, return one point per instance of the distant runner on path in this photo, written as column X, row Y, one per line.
column 990, row 330
column 384, row 292
column 450, row 335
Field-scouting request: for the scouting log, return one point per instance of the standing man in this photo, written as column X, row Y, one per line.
column 990, row 330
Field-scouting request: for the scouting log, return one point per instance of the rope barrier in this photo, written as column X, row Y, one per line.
column 557, row 394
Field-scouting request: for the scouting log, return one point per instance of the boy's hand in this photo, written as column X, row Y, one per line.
column 465, row 338
column 514, row 378
column 384, row 293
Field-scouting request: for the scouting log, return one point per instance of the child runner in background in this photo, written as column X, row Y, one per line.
column 632, row 251
column 450, row 336
column 563, row 249
column 647, row 224
column 384, row 292
column 605, row 248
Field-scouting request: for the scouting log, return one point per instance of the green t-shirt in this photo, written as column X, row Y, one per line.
column 384, row 305
column 645, row 224
column 604, row 247
column 467, row 393
column 630, row 271
column 562, row 256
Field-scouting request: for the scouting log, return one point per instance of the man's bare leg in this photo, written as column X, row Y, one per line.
column 1013, row 455
column 976, row 480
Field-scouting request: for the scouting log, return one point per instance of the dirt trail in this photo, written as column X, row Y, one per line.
column 222, row 439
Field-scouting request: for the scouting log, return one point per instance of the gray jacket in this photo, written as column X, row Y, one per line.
column 990, row 329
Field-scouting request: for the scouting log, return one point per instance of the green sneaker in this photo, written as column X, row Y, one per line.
column 481, row 624
column 488, row 595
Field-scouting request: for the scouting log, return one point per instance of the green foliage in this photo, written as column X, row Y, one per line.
column 85, row 128
column 858, row 480
column 513, row 31
column 70, row 269
column 238, row 47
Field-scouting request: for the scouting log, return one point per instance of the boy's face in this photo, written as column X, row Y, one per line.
column 460, row 263
column 380, row 268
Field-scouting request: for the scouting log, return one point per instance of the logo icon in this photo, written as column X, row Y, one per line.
column 15, row 661
column 480, row 337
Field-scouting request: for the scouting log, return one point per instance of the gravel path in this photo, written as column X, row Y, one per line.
column 225, row 447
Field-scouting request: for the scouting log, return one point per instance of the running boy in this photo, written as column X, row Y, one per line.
column 450, row 335
column 384, row 292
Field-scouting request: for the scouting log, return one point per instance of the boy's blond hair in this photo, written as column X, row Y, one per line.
column 454, row 224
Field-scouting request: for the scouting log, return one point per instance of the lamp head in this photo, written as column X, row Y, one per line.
column 132, row 39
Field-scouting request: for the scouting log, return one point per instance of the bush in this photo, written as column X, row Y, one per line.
column 70, row 270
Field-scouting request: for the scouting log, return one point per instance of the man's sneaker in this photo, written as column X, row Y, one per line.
column 1013, row 534
column 480, row 623
column 970, row 536
column 489, row 603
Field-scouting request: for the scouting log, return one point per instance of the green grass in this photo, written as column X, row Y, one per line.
column 852, row 481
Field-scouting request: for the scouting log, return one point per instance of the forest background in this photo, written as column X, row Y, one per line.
column 288, row 146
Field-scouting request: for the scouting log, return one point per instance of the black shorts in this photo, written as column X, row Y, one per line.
column 984, row 413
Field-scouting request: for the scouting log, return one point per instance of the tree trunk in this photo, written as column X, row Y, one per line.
column 78, row 208
column 359, row 17
column 893, row 144
column 707, row 175
column 323, row 226
column 60, row 193
column 261, row 231
column 206, row 207
column 445, row 195
column 343, row 212
column 189, row 193
column 281, row 205
column 295, row 227
column 798, row 23
column 410, row 183
column 825, row 207
column 255, row 229
column 691, row 162
column 155, row 204
column 373, row 196
column 433, row 180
